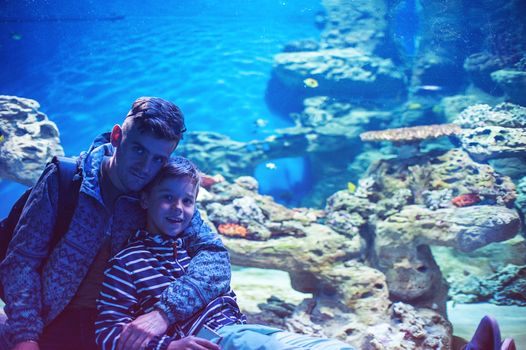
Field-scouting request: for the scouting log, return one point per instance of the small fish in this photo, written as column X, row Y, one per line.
column 413, row 106
column 271, row 166
column 16, row 36
column 465, row 200
column 351, row 187
column 311, row 82
column 2, row 138
column 429, row 87
column 261, row 123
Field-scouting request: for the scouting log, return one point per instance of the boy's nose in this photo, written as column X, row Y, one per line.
column 177, row 205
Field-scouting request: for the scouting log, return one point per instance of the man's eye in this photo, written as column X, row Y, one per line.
column 169, row 197
column 138, row 150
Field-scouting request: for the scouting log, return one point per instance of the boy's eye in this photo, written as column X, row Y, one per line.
column 159, row 160
column 188, row 201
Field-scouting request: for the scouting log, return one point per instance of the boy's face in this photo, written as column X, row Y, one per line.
column 139, row 157
column 171, row 205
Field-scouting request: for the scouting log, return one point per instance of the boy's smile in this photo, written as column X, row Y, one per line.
column 171, row 205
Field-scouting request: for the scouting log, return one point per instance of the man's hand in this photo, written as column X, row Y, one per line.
column 137, row 334
column 192, row 343
column 26, row 345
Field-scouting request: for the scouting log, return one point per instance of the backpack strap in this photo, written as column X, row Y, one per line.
column 69, row 181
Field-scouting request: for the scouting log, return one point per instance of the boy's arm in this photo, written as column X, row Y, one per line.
column 19, row 272
column 117, row 305
column 207, row 277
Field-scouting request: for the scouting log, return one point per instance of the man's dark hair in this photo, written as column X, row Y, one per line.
column 157, row 116
column 176, row 167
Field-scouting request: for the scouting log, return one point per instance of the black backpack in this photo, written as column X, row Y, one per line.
column 68, row 193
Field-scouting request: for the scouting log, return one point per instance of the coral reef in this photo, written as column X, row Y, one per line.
column 505, row 287
column 350, row 299
column 398, row 211
column 415, row 133
column 406, row 206
column 506, row 115
column 494, row 142
column 498, row 132
column 28, row 140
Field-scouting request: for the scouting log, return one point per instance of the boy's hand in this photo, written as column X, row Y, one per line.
column 138, row 333
column 193, row 343
column 26, row 345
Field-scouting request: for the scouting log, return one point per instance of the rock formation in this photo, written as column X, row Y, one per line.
column 498, row 132
column 340, row 72
column 505, row 287
column 28, row 140
column 350, row 299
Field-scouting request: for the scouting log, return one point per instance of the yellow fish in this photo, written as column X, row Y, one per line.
column 413, row 106
column 1, row 138
column 311, row 82
column 351, row 187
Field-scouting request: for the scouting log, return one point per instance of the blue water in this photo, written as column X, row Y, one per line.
column 212, row 58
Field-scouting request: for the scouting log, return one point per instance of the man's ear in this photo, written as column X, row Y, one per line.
column 144, row 200
column 116, row 136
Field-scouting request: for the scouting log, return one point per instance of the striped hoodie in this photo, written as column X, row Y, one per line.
column 133, row 284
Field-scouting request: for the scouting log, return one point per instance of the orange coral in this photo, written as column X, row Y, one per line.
column 415, row 133
column 232, row 230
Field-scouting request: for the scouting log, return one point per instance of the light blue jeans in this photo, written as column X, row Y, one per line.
column 258, row 337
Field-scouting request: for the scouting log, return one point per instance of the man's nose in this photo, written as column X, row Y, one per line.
column 145, row 165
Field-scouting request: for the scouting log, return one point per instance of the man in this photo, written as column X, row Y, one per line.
column 50, row 293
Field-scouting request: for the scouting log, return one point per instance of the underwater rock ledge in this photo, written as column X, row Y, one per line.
column 350, row 299
column 28, row 140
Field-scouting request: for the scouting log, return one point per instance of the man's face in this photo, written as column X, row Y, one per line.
column 171, row 205
column 139, row 157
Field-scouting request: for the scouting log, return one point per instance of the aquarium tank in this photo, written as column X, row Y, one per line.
column 364, row 162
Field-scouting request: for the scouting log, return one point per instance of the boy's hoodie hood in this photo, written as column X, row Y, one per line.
column 155, row 240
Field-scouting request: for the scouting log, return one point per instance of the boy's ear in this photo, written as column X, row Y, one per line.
column 144, row 200
column 116, row 135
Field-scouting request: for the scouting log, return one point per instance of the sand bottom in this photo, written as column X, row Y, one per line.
column 512, row 320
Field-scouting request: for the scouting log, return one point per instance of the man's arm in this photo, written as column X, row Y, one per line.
column 116, row 306
column 207, row 277
column 19, row 272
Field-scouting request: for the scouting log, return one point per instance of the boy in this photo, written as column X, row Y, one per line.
column 155, row 257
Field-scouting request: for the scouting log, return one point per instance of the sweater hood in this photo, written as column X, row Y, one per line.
column 90, row 163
